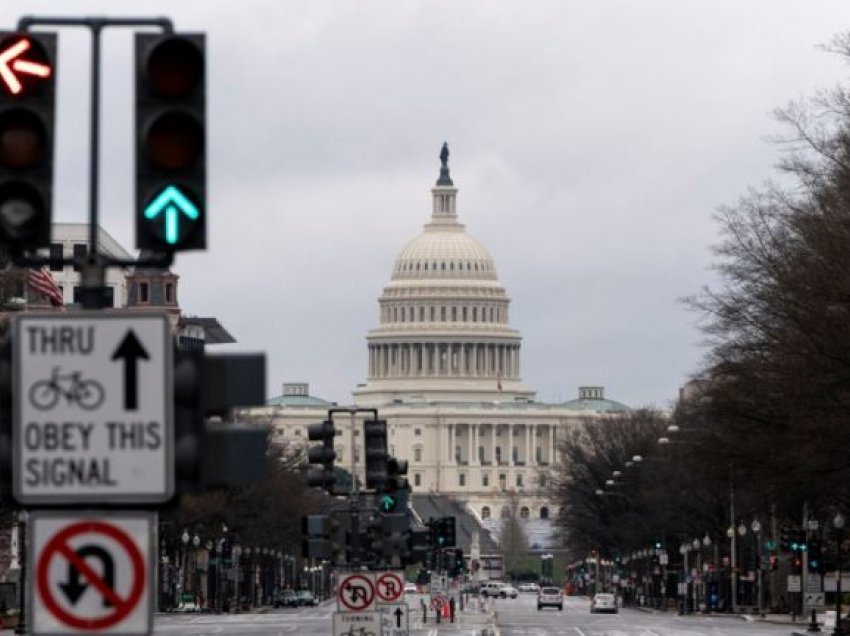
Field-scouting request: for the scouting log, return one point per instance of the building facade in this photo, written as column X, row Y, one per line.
column 443, row 367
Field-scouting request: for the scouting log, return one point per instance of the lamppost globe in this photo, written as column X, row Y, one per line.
column 196, row 541
column 838, row 522
column 599, row 492
column 696, row 544
column 185, row 537
column 237, row 550
column 742, row 529
column 706, row 540
column 756, row 526
column 730, row 532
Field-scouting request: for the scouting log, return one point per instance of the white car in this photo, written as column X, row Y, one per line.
column 550, row 597
column 603, row 603
column 497, row 589
column 530, row 588
column 509, row 591
column 410, row 588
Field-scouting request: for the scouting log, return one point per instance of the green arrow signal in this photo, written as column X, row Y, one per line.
column 172, row 202
column 387, row 503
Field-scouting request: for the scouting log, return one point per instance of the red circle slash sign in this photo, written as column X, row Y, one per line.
column 59, row 545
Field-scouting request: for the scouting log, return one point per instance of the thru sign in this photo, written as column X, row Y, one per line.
column 92, row 408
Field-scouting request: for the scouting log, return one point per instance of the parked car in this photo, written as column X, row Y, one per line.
column 603, row 602
column 509, row 591
column 306, row 598
column 528, row 588
column 550, row 597
column 410, row 588
column 286, row 598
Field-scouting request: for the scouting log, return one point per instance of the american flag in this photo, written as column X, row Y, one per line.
column 41, row 282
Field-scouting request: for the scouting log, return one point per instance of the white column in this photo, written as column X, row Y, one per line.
column 473, row 455
column 551, row 444
column 511, row 445
column 529, row 459
column 493, row 444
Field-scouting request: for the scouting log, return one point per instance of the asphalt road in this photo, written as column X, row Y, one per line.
column 519, row 617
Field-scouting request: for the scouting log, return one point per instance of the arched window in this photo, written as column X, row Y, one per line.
column 506, row 512
column 485, row 512
column 524, row 512
column 544, row 512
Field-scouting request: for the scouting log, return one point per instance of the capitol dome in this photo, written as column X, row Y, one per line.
column 444, row 332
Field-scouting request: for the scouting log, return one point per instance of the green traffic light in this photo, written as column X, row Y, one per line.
column 172, row 202
column 388, row 503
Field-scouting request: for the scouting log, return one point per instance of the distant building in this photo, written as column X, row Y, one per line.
column 443, row 368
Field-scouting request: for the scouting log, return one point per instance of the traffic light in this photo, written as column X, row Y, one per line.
column 458, row 564
column 316, row 531
column 339, row 537
column 171, row 142
column 189, row 422
column 814, row 562
column 389, row 542
column 387, row 503
column 445, row 535
column 27, row 104
column 375, row 441
column 396, row 471
column 324, row 455
column 418, row 545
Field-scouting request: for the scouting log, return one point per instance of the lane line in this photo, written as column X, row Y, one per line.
column 579, row 632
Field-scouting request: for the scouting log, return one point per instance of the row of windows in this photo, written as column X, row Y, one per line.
column 503, row 480
column 443, row 266
column 466, row 314
column 538, row 453
column 524, row 512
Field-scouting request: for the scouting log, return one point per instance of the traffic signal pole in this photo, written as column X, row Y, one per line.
column 93, row 270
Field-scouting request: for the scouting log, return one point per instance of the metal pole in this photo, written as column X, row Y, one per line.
column 733, row 574
column 22, row 541
column 838, row 631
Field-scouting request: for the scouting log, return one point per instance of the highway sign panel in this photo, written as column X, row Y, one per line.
column 91, row 573
column 356, row 592
column 92, row 409
column 396, row 619
column 357, row 624
column 389, row 587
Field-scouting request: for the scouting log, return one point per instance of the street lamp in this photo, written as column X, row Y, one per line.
column 756, row 528
column 838, row 522
column 684, row 549
column 185, row 539
column 237, row 552
column 733, row 582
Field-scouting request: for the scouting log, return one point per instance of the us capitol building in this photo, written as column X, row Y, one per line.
column 444, row 369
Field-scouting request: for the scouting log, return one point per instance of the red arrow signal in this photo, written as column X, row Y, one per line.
column 10, row 64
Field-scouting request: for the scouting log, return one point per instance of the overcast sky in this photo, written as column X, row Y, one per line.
column 591, row 143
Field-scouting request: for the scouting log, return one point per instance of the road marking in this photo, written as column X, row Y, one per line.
column 579, row 632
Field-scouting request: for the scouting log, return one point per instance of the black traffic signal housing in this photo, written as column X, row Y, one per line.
column 814, row 562
column 418, row 545
column 445, row 533
column 324, row 455
column 316, row 537
column 340, row 537
column 396, row 471
column 377, row 458
column 27, row 105
column 458, row 564
column 189, row 418
column 171, row 142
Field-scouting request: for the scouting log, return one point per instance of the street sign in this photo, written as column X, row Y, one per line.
column 356, row 592
column 357, row 623
column 91, row 573
column 92, row 409
column 389, row 587
column 794, row 583
column 396, row 619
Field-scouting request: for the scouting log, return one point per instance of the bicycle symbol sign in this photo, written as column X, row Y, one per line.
column 92, row 408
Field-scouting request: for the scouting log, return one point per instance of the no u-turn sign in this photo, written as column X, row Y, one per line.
column 91, row 574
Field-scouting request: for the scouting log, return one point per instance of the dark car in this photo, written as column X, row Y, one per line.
column 286, row 598
column 305, row 597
